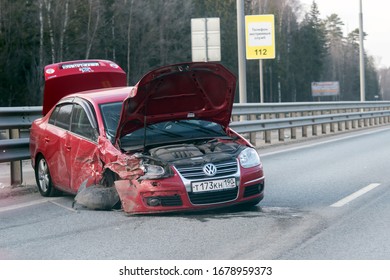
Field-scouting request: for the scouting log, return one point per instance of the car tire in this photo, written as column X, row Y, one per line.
column 43, row 178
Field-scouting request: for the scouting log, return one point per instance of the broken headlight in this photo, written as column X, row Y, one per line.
column 152, row 171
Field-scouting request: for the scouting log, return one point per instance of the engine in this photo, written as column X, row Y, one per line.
column 195, row 154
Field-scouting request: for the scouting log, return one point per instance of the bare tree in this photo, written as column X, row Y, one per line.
column 48, row 8
column 129, row 33
column 93, row 23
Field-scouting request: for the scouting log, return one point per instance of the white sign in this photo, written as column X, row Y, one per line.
column 260, row 34
column 205, row 39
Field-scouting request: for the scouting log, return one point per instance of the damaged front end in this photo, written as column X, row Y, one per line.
column 119, row 179
column 102, row 195
column 171, row 177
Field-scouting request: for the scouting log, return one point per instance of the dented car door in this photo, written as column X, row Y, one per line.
column 84, row 161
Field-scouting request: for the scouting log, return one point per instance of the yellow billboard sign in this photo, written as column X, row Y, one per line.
column 260, row 36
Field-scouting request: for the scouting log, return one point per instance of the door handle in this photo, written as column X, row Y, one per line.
column 68, row 148
column 47, row 139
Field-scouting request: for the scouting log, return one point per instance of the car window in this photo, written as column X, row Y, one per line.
column 53, row 116
column 81, row 124
column 110, row 113
column 63, row 116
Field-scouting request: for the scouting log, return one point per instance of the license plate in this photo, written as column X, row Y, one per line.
column 213, row 185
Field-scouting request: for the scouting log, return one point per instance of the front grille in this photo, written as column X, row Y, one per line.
column 213, row 197
column 196, row 172
column 253, row 190
column 174, row 200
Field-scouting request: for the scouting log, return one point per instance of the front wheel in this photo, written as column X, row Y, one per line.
column 42, row 176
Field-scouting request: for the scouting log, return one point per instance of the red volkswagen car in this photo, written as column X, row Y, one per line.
column 161, row 145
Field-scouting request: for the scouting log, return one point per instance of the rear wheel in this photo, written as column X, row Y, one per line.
column 42, row 176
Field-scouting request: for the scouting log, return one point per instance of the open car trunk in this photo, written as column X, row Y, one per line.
column 69, row 77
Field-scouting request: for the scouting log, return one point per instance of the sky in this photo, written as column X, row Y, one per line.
column 376, row 23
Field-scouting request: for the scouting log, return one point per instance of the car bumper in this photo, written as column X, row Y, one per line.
column 171, row 195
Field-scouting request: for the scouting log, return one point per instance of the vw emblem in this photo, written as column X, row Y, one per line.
column 210, row 169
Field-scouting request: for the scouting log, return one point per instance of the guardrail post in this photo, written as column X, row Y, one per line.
column 340, row 124
column 324, row 125
column 293, row 129
column 267, row 133
column 354, row 122
column 16, row 166
column 379, row 119
column 332, row 125
column 347, row 123
column 281, row 131
column 314, row 129
column 253, row 135
column 304, row 129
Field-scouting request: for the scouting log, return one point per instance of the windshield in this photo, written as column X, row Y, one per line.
column 111, row 113
column 173, row 131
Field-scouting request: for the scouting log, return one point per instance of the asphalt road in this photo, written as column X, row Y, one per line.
column 325, row 199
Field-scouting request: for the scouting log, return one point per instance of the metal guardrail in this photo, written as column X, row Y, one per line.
column 12, row 120
column 252, row 118
column 14, row 149
column 282, row 123
column 277, row 108
column 18, row 117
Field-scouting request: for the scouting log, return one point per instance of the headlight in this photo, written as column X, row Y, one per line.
column 249, row 158
column 153, row 171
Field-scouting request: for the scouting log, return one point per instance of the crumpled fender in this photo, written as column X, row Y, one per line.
column 128, row 195
column 96, row 196
column 127, row 167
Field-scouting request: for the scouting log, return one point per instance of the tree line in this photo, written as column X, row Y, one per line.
column 141, row 35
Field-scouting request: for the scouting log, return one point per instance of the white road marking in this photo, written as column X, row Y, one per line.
column 26, row 204
column 355, row 195
column 63, row 206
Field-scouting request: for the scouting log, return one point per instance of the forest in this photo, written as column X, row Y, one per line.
column 140, row 35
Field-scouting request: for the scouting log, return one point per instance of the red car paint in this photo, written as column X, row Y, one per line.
column 150, row 178
column 68, row 77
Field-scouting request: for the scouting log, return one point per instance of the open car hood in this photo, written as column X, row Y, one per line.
column 199, row 90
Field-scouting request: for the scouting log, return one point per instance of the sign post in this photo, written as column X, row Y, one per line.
column 260, row 41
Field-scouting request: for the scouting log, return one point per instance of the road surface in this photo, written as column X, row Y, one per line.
column 325, row 199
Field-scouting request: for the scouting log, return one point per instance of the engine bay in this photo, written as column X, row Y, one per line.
column 193, row 154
